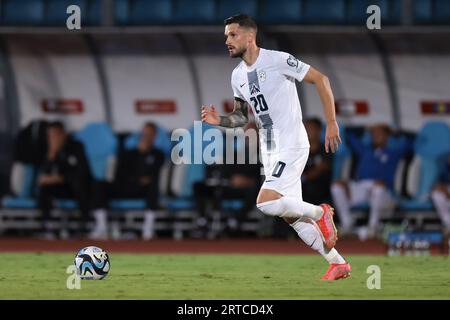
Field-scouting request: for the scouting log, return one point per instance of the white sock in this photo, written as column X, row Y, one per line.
column 440, row 201
column 291, row 207
column 341, row 202
column 312, row 237
column 101, row 219
column 148, row 227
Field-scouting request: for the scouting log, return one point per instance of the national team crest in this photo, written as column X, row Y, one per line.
column 262, row 76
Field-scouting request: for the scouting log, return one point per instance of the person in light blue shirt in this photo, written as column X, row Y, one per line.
column 374, row 183
column 441, row 197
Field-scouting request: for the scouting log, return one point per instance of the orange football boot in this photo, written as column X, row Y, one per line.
column 327, row 227
column 337, row 271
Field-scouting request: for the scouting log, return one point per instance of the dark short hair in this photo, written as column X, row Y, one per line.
column 56, row 125
column 315, row 121
column 150, row 124
column 243, row 20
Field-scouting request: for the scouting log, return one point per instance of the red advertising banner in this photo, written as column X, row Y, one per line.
column 146, row 106
column 352, row 107
column 64, row 106
column 435, row 107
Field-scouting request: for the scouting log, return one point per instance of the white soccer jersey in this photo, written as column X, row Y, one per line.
column 269, row 87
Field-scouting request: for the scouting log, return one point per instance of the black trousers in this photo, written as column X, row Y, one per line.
column 77, row 189
column 215, row 194
column 104, row 191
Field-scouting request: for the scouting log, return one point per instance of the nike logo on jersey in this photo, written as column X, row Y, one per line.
column 242, row 84
column 269, row 180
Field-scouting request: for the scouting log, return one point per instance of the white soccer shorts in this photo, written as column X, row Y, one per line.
column 283, row 171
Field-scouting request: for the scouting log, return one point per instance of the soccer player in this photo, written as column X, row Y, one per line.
column 265, row 82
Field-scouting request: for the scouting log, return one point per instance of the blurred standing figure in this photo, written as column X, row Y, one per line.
column 137, row 176
column 65, row 173
column 441, row 198
column 316, row 177
column 375, row 179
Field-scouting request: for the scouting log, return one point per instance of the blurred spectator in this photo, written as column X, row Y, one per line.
column 137, row 176
column 64, row 174
column 441, row 198
column 316, row 176
column 230, row 182
column 377, row 163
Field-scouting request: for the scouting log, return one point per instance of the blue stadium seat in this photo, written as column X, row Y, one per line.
column 432, row 153
column 191, row 173
column 23, row 12
column 194, row 11
column 23, row 185
column 100, row 145
column 228, row 8
column 56, row 11
column 324, row 11
column 422, row 11
column 127, row 204
column 442, row 12
column 143, row 12
column 390, row 11
column 280, row 11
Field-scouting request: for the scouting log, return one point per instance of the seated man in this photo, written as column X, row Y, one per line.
column 233, row 182
column 441, row 198
column 316, row 176
column 377, row 164
column 137, row 176
column 65, row 173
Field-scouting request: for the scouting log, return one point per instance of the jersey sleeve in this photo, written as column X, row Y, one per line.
column 234, row 86
column 290, row 66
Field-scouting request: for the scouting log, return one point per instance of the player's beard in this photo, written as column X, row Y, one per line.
column 239, row 54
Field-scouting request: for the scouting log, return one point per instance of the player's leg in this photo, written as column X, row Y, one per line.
column 273, row 203
column 280, row 194
column 308, row 231
column 379, row 200
column 441, row 202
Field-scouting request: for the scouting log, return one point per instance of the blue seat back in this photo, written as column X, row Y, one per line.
column 390, row 11
column 432, row 145
column 228, row 8
column 143, row 12
column 442, row 12
column 324, row 11
column 280, row 11
column 423, row 11
column 100, row 144
column 194, row 11
column 23, row 12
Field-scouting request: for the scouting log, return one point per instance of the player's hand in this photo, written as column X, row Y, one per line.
column 210, row 115
column 332, row 138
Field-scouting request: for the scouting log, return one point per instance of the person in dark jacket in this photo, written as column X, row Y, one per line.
column 136, row 177
column 64, row 173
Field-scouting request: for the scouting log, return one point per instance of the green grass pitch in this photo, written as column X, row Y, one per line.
column 206, row 276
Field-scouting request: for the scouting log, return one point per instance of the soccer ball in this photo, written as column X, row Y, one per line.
column 92, row 263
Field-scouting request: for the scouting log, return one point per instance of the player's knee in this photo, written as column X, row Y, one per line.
column 271, row 208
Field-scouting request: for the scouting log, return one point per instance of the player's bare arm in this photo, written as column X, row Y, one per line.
column 332, row 138
column 237, row 118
